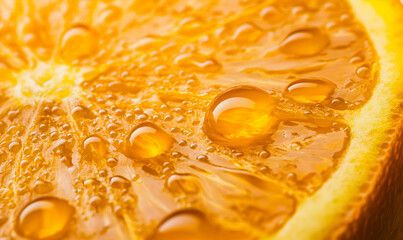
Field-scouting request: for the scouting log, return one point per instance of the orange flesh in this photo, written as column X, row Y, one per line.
column 80, row 77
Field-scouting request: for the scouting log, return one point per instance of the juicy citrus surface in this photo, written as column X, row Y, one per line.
column 169, row 119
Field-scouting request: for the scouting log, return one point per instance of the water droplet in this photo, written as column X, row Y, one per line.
column 339, row 104
column 120, row 182
column 147, row 44
column 44, row 218
column 97, row 202
column 14, row 147
column 95, row 145
column 247, row 33
column 183, row 183
column 305, row 42
column 291, row 176
column 92, row 183
column 162, row 70
column 356, row 59
column 82, row 112
column 264, row 154
column 130, row 201
column 110, row 14
column 202, row 158
column 363, row 72
column 182, row 143
column 78, row 42
column 309, row 90
column 240, row 116
column 184, row 225
column 147, row 140
column 198, row 63
column 112, row 162
column 190, row 25
column 42, row 186
column 271, row 15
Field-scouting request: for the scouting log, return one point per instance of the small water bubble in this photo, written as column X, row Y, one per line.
column 183, row 183
column 190, row 25
column 112, row 162
column 78, row 42
column 202, row 158
column 271, row 15
column 339, row 104
column 97, row 202
column 363, row 72
column 42, row 186
column 120, row 182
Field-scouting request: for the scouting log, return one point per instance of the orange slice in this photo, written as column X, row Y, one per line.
column 218, row 119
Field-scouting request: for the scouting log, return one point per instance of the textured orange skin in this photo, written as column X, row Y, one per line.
column 379, row 214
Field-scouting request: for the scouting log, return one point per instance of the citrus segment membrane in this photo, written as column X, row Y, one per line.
column 168, row 119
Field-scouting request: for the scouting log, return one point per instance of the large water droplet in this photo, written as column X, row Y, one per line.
column 120, row 182
column 184, row 225
column 78, row 42
column 247, row 33
column 363, row 72
column 147, row 140
column 14, row 146
column 183, row 183
column 82, row 112
column 271, row 15
column 240, row 116
column 309, row 90
column 305, row 42
column 45, row 218
column 95, row 146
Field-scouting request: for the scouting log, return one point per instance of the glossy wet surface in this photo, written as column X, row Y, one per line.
column 168, row 119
